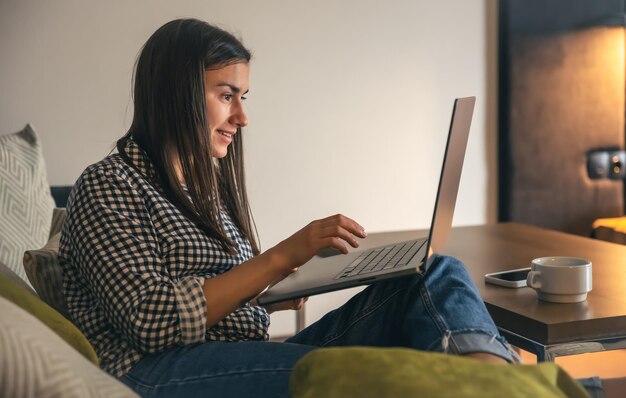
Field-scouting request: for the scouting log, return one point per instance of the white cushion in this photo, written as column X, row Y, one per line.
column 26, row 204
column 35, row 362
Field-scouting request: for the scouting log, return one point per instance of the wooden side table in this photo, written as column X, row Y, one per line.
column 546, row 329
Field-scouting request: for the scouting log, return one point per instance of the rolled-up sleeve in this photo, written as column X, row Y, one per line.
column 116, row 251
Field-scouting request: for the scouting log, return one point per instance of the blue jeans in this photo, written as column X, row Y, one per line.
column 436, row 311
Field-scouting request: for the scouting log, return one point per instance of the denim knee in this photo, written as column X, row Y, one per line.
column 458, row 320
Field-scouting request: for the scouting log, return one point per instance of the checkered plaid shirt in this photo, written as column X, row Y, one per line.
column 134, row 267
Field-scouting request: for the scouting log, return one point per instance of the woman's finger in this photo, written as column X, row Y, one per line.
column 339, row 232
column 345, row 222
column 336, row 243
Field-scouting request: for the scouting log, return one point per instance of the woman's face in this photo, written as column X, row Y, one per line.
column 225, row 90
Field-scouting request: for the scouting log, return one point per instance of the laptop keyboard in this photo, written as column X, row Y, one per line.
column 383, row 258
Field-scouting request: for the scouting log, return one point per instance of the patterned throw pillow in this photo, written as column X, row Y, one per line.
column 48, row 316
column 35, row 362
column 25, row 200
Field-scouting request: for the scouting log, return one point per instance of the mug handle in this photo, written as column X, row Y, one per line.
column 532, row 280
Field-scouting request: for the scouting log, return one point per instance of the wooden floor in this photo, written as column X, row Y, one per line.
column 606, row 364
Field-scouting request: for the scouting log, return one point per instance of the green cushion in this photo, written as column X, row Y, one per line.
column 15, row 293
column 400, row 372
column 6, row 271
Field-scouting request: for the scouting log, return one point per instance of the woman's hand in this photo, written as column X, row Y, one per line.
column 295, row 304
column 333, row 231
column 226, row 292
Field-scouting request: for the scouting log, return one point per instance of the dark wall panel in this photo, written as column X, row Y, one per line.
column 561, row 94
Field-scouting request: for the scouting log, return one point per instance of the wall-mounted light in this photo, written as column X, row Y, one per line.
column 606, row 163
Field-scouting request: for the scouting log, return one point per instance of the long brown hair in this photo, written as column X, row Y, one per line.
column 170, row 124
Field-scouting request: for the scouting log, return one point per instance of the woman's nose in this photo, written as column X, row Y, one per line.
column 239, row 117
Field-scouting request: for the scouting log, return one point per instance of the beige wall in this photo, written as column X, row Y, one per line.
column 349, row 105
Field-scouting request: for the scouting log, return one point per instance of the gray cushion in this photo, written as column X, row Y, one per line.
column 35, row 362
column 43, row 269
column 25, row 201
column 58, row 218
column 45, row 274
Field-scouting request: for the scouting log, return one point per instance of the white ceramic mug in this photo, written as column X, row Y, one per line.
column 560, row 279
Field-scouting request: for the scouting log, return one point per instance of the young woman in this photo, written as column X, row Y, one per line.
column 160, row 260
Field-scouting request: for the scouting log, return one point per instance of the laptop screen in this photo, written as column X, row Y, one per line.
column 451, row 173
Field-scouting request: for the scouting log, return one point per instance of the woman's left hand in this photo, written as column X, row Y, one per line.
column 296, row 304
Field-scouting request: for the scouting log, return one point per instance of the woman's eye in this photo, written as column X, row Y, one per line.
column 228, row 97
column 244, row 98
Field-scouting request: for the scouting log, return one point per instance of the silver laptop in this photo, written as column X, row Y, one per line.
column 321, row 275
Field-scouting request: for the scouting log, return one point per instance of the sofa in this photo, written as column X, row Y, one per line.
column 42, row 353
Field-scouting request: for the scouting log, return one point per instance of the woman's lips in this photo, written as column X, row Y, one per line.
column 226, row 135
